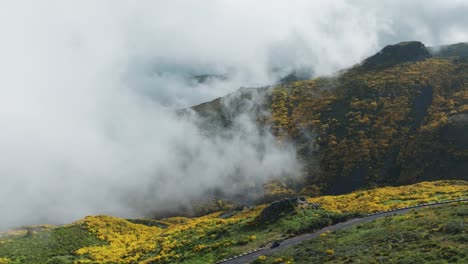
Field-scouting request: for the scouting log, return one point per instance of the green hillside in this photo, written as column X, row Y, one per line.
column 431, row 235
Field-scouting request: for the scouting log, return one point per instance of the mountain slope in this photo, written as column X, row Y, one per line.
column 454, row 50
column 399, row 117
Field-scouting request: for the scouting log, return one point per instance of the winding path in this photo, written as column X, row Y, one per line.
column 253, row 255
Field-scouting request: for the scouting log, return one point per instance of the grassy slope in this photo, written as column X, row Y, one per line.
column 432, row 235
column 204, row 239
column 56, row 245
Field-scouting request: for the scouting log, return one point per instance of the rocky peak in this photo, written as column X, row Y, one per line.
column 399, row 53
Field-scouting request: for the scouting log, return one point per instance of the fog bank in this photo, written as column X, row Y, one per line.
column 88, row 91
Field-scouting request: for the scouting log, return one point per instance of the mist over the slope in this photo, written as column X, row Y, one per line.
column 88, row 89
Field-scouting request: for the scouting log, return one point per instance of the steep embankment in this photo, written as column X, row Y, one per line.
column 399, row 117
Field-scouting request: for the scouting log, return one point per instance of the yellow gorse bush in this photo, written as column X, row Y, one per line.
column 128, row 242
column 393, row 197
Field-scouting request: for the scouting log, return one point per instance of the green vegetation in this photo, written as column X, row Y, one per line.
column 432, row 235
column 206, row 239
column 51, row 246
column 377, row 127
column 198, row 240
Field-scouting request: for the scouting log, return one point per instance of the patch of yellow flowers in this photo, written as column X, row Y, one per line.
column 129, row 241
column 393, row 197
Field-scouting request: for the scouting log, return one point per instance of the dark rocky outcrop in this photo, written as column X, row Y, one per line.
column 421, row 104
column 391, row 55
column 459, row 120
column 278, row 209
column 456, row 131
column 148, row 222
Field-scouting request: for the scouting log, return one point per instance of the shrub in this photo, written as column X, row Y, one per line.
column 278, row 260
column 260, row 259
column 453, row 227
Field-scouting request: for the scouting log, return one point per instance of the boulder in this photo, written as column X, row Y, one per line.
column 278, row 209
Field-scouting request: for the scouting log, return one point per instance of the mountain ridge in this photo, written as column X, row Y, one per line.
column 393, row 119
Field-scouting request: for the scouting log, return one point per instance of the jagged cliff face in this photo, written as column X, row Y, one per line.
column 399, row 117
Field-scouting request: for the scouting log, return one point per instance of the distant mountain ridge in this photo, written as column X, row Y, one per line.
column 454, row 50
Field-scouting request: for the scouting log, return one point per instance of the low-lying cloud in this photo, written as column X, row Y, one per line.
column 88, row 91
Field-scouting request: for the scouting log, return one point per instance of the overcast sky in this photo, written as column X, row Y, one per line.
column 87, row 90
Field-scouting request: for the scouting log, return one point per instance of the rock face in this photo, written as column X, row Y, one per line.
column 456, row 131
column 459, row 120
column 395, row 54
column 280, row 208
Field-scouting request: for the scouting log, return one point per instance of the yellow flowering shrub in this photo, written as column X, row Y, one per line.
column 278, row 260
column 127, row 241
column 326, row 233
column 199, row 247
column 393, row 197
